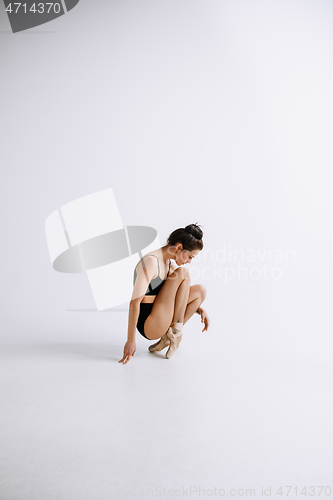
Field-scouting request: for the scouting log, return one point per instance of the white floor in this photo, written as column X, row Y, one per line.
column 227, row 411
column 227, row 107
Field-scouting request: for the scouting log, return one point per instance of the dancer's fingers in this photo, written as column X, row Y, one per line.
column 123, row 359
column 206, row 325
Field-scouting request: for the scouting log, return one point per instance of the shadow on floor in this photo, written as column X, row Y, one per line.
column 65, row 350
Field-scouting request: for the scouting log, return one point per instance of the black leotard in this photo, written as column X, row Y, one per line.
column 156, row 284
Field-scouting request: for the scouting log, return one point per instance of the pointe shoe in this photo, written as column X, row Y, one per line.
column 175, row 335
column 160, row 345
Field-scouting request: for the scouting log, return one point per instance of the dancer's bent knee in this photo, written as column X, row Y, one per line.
column 180, row 273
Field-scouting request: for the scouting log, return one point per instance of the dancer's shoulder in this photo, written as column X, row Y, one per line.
column 149, row 259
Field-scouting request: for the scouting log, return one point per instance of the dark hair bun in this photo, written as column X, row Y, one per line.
column 195, row 230
column 190, row 237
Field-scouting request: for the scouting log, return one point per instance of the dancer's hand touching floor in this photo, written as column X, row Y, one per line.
column 204, row 318
column 129, row 350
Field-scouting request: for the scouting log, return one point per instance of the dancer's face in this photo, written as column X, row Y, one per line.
column 185, row 256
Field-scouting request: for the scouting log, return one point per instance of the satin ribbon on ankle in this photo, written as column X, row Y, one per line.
column 177, row 326
column 173, row 335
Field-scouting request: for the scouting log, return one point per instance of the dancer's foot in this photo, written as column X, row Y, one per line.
column 160, row 345
column 175, row 335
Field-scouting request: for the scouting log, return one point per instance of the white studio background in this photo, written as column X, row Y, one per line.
column 216, row 112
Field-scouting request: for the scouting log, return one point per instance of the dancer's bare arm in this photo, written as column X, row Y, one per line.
column 145, row 272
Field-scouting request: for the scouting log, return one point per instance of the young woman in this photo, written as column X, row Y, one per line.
column 161, row 310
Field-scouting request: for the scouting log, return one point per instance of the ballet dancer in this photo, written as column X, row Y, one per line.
column 160, row 310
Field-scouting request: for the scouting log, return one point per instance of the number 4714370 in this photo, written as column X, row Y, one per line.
column 36, row 8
